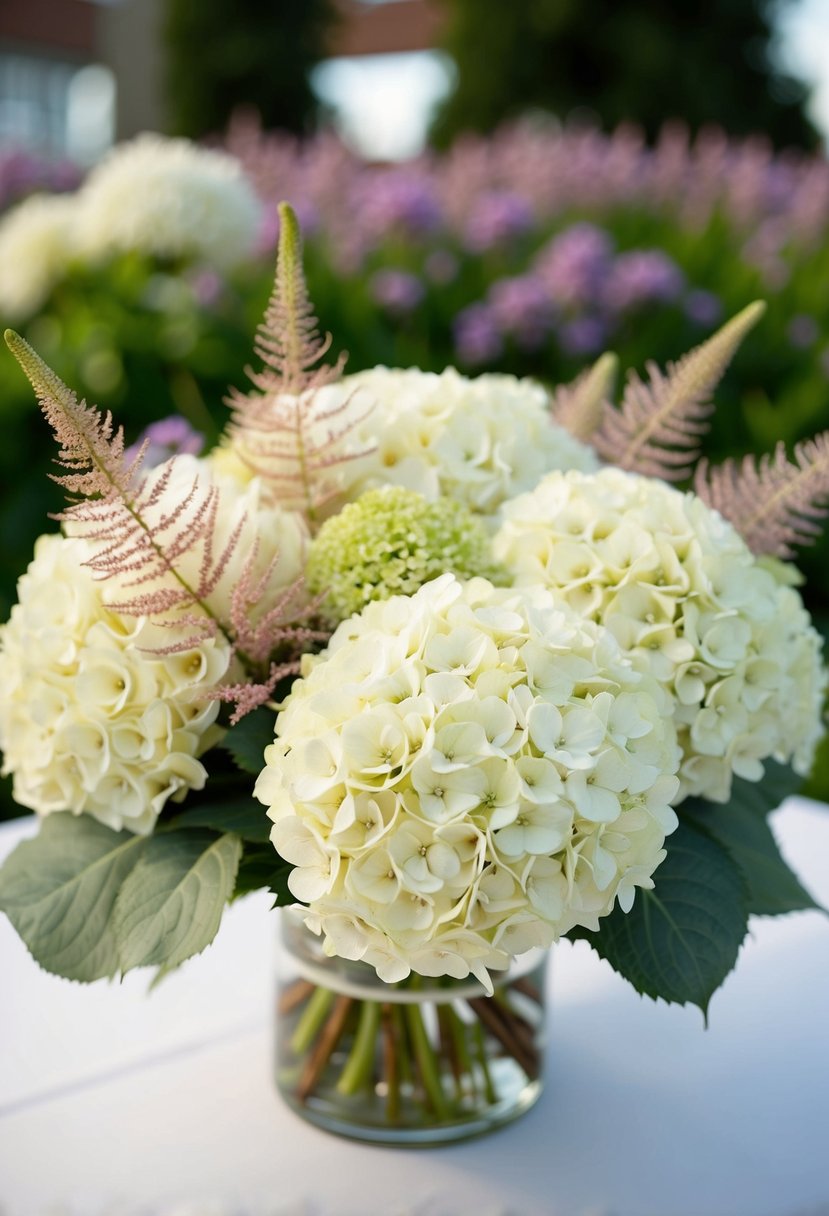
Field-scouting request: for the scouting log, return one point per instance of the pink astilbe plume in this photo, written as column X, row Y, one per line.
column 258, row 636
column 283, row 430
column 112, row 508
column 657, row 429
column 579, row 406
column 774, row 503
column 279, row 629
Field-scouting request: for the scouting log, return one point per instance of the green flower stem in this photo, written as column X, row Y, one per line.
column 480, row 1046
column 402, row 1040
column 460, row 1032
column 324, row 1046
column 448, row 1048
column 360, row 1061
column 313, row 1016
column 427, row 1061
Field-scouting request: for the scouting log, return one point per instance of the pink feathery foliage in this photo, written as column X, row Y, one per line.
column 248, row 697
column 279, row 631
column 258, row 638
column 579, row 406
column 658, row 427
column 774, row 503
column 132, row 536
column 91, row 450
column 283, row 430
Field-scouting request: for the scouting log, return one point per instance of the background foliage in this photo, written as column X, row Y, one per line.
column 620, row 60
column 248, row 52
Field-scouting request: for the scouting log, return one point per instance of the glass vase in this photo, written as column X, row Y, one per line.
column 422, row 1062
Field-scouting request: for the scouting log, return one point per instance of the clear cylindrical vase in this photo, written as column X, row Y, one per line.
column 423, row 1062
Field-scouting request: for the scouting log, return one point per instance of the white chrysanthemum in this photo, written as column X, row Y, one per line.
column 273, row 532
column 89, row 722
column 36, row 246
column 478, row 441
column 680, row 590
column 168, row 198
column 465, row 774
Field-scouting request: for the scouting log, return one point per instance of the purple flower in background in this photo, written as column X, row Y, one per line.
column 802, row 331
column 574, row 263
column 207, row 286
column 477, row 336
column 640, row 277
column 171, row 436
column 396, row 290
column 521, row 307
column 496, row 217
column 398, row 199
column 583, row 336
column 703, row 308
column 22, row 172
column 441, row 267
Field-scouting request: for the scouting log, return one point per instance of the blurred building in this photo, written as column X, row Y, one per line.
column 76, row 74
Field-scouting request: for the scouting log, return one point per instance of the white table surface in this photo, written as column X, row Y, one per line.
column 112, row 1099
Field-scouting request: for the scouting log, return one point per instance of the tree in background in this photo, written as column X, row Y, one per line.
column 222, row 54
column 639, row 60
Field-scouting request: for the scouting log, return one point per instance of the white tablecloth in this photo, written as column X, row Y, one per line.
column 114, row 1099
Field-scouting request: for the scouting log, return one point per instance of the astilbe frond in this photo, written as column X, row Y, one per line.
column 580, row 405
column 279, row 629
column 283, row 431
column 109, row 506
column 258, row 637
column 774, row 503
column 657, row 429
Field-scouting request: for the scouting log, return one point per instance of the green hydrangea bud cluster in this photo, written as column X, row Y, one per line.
column 390, row 542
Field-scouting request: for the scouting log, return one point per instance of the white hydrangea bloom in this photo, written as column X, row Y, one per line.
column 89, row 722
column 479, row 441
column 465, row 774
column 168, row 198
column 679, row 589
column 272, row 531
column 36, row 246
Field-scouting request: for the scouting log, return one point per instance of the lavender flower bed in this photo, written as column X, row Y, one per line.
column 23, row 173
column 536, row 247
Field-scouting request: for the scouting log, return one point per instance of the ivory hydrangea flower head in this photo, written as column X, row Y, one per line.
column 478, row 441
column 89, row 721
column 168, row 198
column 721, row 630
column 390, row 542
column 465, row 774
column 36, row 246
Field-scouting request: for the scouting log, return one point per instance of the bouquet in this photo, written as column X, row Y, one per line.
column 446, row 663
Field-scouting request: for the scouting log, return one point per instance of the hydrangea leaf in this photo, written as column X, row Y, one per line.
column 741, row 827
column 241, row 815
column 681, row 940
column 264, row 868
column 779, row 782
column 247, row 740
column 171, row 905
column 59, row 890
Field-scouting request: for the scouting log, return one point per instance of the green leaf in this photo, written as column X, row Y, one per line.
column 241, row 815
column 772, row 888
column 247, row 740
column 59, row 890
column 779, row 782
column 170, row 906
column 681, row 940
column 263, row 867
